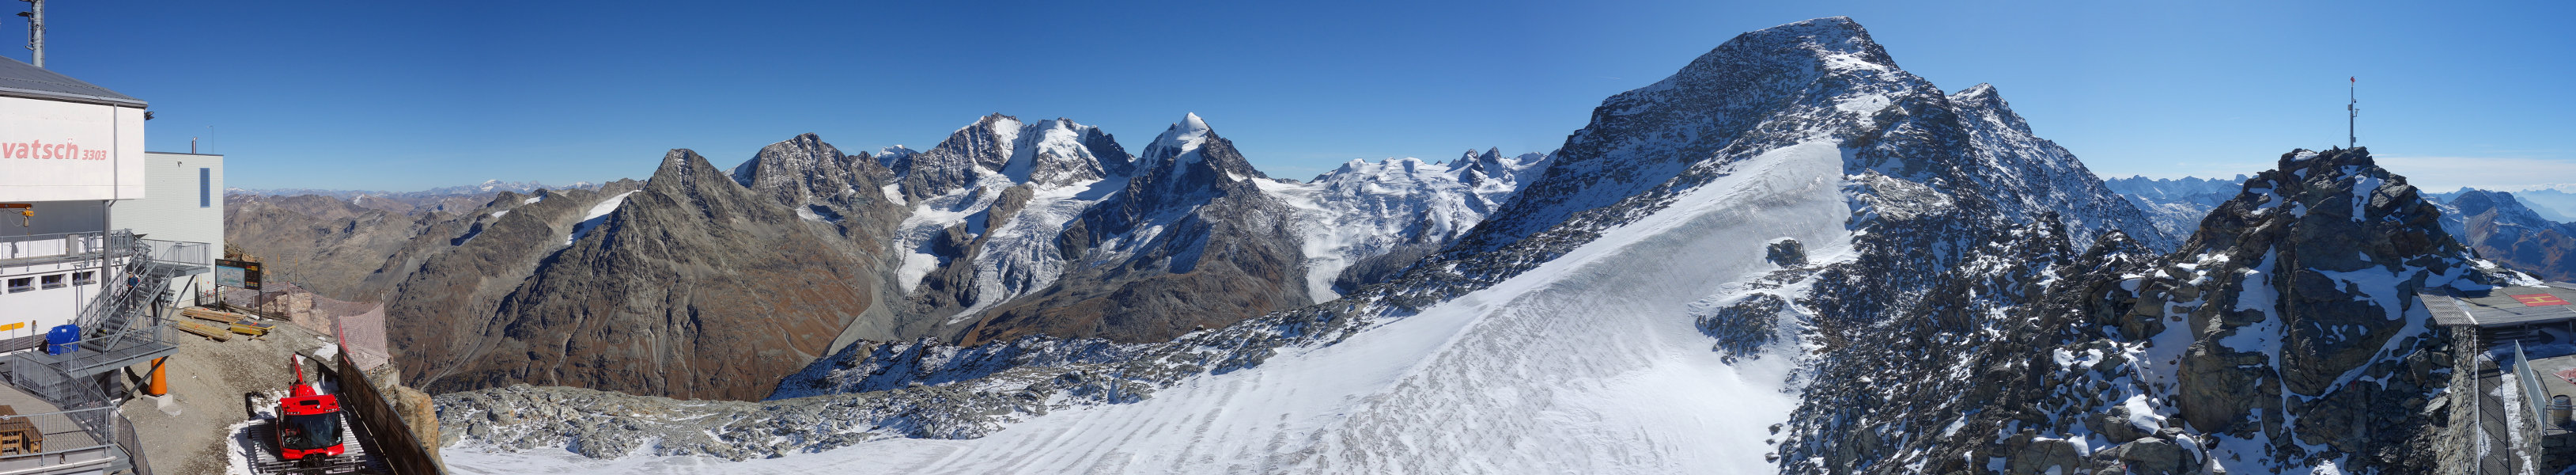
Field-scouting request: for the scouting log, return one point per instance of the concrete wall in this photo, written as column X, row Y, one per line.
column 173, row 210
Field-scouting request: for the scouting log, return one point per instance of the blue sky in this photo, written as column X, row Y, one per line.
column 412, row 95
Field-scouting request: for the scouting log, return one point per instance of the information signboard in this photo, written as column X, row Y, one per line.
column 232, row 273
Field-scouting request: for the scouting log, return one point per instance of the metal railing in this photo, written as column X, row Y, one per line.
column 2532, row 395
column 32, row 249
column 179, row 252
column 61, row 441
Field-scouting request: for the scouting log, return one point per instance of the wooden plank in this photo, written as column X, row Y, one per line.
column 252, row 328
column 213, row 315
column 211, row 332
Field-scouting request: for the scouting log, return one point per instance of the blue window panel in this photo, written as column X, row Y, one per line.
column 205, row 187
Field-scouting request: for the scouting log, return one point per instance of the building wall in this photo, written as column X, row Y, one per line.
column 42, row 308
column 63, row 151
column 180, row 206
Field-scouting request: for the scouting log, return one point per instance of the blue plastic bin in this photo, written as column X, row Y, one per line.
column 62, row 339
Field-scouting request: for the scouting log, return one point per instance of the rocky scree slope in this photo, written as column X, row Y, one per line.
column 2281, row 337
column 1916, row 231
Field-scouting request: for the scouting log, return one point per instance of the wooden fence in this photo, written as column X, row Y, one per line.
column 394, row 440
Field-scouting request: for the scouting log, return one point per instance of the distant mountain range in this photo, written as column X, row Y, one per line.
column 487, row 186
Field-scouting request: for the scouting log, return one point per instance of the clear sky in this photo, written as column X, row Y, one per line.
column 412, row 95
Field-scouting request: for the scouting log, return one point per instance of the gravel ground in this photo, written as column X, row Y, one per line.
column 185, row 433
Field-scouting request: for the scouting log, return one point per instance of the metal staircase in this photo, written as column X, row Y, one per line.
column 124, row 326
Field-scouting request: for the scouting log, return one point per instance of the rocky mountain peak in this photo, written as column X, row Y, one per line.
column 2285, row 331
column 786, row 161
column 1061, row 152
column 1985, row 104
column 1047, row 153
column 1191, row 159
column 1179, row 143
column 2338, row 198
column 1822, row 46
column 896, row 158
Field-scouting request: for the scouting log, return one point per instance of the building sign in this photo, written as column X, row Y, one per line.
column 232, row 273
column 62, row 151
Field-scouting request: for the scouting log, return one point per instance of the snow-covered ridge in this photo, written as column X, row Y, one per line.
column 1366, row 209
column 597, row 214
column 1058, row 168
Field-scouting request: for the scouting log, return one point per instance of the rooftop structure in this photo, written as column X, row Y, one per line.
column 2503, row 306
column 19, row 79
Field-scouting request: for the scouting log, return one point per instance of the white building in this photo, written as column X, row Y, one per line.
column 68, row 150
column 183, row 202
column 95, row 234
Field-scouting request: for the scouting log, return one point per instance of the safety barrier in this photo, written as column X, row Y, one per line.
column 394, row 439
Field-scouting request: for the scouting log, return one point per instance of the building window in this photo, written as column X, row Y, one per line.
column 85, row 277
column 205, row 187
column 53, row 281
column 22, row 284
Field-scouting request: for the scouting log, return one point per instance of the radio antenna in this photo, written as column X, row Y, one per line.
column 2352, row 111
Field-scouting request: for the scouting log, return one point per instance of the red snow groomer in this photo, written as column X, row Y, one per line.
column 308, row 422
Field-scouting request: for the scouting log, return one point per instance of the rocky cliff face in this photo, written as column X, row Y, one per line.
column 2282, row 336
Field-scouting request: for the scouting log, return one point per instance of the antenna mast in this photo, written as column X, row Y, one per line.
column 2352, row 112
column 36, row 29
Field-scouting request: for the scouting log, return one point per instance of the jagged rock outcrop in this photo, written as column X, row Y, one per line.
column 2283, row 336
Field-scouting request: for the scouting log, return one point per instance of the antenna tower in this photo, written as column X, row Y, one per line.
column 36, row 29
column 2352, row 112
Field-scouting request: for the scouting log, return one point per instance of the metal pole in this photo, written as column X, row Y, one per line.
column 36, row 30
column 2353, row 112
